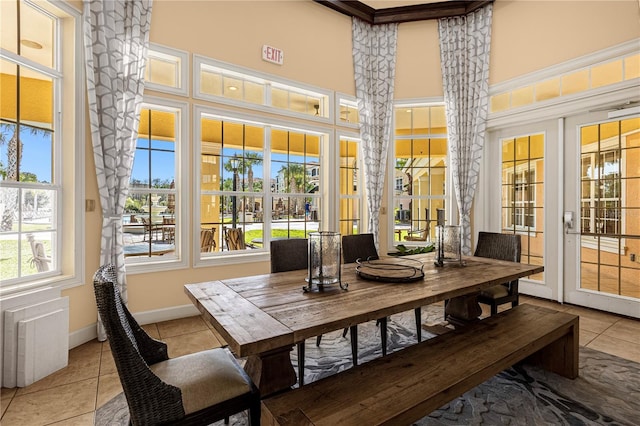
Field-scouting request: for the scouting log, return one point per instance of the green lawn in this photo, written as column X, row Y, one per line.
column 9, row 258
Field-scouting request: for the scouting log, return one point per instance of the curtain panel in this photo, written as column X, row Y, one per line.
column 464, row 54
column 116, row 34
column 374, row 60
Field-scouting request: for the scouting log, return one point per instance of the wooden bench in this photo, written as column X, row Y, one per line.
column 408, row 384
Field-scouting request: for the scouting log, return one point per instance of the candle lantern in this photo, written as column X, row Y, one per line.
column 325, row 259
column 448, row 244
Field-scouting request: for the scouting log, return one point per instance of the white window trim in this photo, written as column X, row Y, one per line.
column 183, row 82
column 180, row 258
column 76, row 276
column 354, row 137
column 248, row 256
column 246, row 73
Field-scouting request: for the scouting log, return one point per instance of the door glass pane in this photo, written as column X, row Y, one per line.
column 523, row 195
column 610, row 217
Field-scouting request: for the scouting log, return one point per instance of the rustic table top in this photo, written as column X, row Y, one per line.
column 260, row 313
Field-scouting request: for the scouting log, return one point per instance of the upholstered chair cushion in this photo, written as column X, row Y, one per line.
column 495, row 292
column 205, row 378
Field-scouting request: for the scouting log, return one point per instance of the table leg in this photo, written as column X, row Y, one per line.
column 463, row 309
column 271, row 371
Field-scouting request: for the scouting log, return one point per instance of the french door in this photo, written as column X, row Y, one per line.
column 521, row 188
column 602, row 212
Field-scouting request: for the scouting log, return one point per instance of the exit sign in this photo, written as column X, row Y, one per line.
column 272, row 54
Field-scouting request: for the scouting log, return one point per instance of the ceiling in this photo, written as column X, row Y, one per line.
column 387, row 12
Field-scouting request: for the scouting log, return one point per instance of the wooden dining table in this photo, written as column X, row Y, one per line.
column 263, row 316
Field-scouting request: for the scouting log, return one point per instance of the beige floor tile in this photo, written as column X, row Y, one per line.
column 593, row 314
column 108, row 387
column 152, row 330
column 52, row 405
column 591, row 324
column 617, row 347
column 181, row 326
column 625, row 329
column 586, row 337
column 6, row 396
column 107, row 364
column 544, row 303
column 84, row 363
column 190, row 343
column 83, row 420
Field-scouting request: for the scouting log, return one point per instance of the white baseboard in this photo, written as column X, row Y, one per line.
column 89, row 333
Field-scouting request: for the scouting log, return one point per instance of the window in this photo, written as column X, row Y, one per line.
column 420, row 168
column 350, row 216
column 347, row 111
column 40, row 191
column 262, row 178
column 153, row 224
column 521, row 197
column 166, row 70
column 221, row 82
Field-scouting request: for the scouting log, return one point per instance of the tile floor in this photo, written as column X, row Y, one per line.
column 71, row 395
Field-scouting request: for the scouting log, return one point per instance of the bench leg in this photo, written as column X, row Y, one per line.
column 561, row 355
column 418, row 313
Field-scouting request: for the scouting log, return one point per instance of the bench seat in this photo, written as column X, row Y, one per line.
column 408, row 384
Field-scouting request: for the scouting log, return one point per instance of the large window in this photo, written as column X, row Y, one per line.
column 153, row 222
column 39, row 174
column 420, row 169
column 350, row 216
column 258, row 181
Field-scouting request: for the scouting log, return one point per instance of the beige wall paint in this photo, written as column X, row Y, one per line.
column 317, row 46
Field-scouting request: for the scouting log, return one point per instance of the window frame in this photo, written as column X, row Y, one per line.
column 179, row 258
column 183, row 80
column 351, row 137
column 227, row 257
column 68, row 266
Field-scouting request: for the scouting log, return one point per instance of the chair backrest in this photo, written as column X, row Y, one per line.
column 150, row 399
column 499, row 246
column 358, row 246
column 234, row 238
column 207, row 240
column 289, row 255
column 39, row 254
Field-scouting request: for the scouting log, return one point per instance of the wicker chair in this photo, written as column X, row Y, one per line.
column 503, row 247
column 362, row 246
column 199, row 388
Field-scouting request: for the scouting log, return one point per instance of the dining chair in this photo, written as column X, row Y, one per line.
column 198, row 388
column 362, row 246
column 207, row 240
column 499, row 246
column 40, row 258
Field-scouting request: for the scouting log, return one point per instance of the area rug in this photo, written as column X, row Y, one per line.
column 606, row 393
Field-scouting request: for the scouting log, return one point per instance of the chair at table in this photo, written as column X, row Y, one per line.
column 503, row 247
column 199, row 388
column 207, row 240
column 362, row 246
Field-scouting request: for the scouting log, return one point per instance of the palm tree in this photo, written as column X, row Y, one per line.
column 294, row 178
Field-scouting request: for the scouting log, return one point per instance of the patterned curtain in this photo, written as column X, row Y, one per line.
column 116, row 43
column 374, row 60
column 464, row 53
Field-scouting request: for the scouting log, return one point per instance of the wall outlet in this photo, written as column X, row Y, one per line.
column 632, row 256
